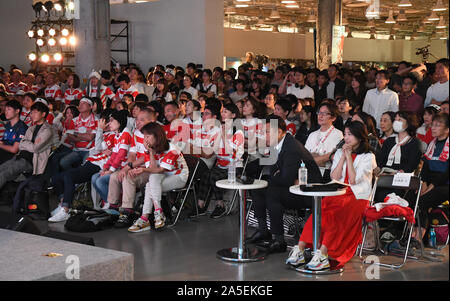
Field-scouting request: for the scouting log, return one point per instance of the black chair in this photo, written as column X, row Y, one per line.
column 385, row 181
column 192, row 163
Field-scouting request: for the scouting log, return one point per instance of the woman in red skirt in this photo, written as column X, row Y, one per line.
column 341, row 215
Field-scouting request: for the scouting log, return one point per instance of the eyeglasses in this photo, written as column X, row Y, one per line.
column 323, row 113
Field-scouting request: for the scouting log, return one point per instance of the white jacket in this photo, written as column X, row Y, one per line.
column 364, row 165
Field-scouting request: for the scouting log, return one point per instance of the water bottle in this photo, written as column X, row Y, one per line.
column 232, row 172
column 432, row 238
column 302, row 174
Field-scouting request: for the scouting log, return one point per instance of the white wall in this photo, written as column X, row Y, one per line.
column 288, row 45
column 174, row 31
column 275, row 45
column 15, row 21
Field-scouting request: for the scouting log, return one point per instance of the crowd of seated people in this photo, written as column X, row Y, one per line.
column 125, row 131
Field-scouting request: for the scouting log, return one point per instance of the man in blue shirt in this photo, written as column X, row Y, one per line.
column 14, row 131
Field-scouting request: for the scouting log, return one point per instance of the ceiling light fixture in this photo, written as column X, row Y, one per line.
column 405, row 3
column 311, row 17
column 439, row 6
column 401, row 17
column 390, row 19
column 441, row 23
column 275, row 14
column 433, row 17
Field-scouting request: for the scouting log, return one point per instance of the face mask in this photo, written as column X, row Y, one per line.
column 398, row 126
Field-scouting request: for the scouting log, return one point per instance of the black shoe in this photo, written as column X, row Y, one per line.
column 274, row 246
column 124, row 221
column 258, row 236
column 218, row 212
column 201, row 211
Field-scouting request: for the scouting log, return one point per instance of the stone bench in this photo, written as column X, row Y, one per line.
column 21, row 258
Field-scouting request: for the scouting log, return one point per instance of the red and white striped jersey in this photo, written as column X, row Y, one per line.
column 70, row 94
column 252, row 127
column 25, row 116
column 132, row 90
column 104, row 93
column 137, row 145
column 35, row 89
column 124, row 141
column 82, row 126
column 171, row 160
column 68, row 128
column 13, row 88
column 100, row 159
column 231, row 148
column 2, row 130
column 290, row 127
column 54, row 92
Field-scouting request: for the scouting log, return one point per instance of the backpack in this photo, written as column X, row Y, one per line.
column 32, row 198
column 87, row 219
column 439, row 222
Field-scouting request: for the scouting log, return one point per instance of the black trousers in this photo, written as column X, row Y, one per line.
column 5, row 156
column 431, row 199
column 276, row 200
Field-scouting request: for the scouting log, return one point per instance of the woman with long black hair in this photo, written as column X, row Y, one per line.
column 342, row 216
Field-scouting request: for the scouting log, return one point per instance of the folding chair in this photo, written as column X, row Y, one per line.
column 385, row 181
column 192, row 163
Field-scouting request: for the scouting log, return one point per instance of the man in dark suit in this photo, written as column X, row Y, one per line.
column 336, row 86
column 276, row 197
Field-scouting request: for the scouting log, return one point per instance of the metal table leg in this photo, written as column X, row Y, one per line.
column 317, row 216
column 241, row 253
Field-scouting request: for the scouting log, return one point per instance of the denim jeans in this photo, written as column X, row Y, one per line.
column 64, row 183
column 101, row 185
column 74, row 157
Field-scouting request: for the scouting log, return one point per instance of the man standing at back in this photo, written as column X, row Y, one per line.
column 380, row 99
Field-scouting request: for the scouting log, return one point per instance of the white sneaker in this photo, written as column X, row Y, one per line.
column 61, row 216
column 160, row 219
column 140, row 226
column 56, row 210
column 318, row 262
column 105, row 206
column 296, row 257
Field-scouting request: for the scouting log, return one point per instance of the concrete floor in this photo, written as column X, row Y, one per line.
column 188, row 252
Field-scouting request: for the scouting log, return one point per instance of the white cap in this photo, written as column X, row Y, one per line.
column 41, row 100
column 95, row 74
column 86, row 100
column 435, row 106
column 170, row 71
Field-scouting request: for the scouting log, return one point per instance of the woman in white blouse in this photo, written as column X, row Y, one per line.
column 187, row 82
column 322, row 142
column 342, row 215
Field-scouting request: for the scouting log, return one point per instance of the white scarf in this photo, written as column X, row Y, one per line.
column 395, row 155
column 430, row 151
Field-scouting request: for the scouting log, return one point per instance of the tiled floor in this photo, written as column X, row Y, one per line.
column 188, row 252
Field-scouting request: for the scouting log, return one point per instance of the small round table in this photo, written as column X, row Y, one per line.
column 317, row 214
column 241, row 253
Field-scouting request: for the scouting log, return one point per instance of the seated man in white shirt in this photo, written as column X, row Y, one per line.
column 300, row 89
column 438, row 93
column 381, row 99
